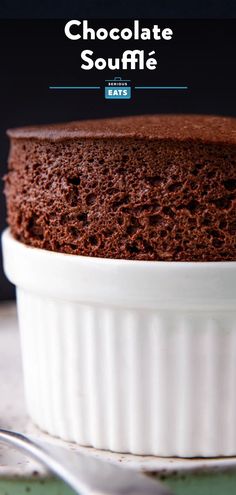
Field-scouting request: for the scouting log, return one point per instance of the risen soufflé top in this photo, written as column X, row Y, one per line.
column 145, row 188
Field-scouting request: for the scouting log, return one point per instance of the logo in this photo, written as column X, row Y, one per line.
column 117, row 88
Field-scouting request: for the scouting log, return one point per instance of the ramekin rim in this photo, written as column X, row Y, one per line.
column 118, row 261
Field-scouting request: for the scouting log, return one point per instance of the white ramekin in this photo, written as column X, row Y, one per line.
column 130, row 356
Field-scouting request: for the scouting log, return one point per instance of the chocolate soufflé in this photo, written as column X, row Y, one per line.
column 145, row 188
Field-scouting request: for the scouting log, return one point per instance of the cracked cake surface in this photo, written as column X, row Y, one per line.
column 145, row 188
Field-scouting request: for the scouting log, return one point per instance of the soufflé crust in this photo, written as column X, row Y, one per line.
column 145, row 188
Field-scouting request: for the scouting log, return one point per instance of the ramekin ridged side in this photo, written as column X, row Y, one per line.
column 148, row 375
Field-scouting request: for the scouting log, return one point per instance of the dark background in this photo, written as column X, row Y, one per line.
column 36, row 54
column 123, row 8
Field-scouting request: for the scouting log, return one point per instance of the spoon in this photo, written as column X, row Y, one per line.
column 85, row 474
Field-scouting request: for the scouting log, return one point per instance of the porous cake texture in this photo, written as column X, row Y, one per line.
column 144, row 188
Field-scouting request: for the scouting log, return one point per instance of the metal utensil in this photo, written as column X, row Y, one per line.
column 85, row 474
